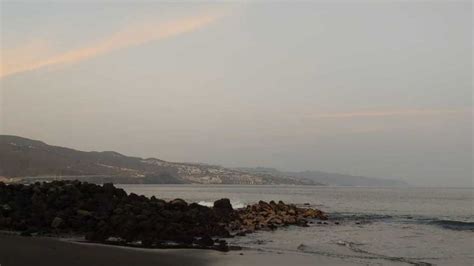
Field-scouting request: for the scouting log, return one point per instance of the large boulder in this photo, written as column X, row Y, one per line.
column 178, row 204
column 223, row 204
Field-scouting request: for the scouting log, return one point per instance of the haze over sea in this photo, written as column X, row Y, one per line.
column 367, row 226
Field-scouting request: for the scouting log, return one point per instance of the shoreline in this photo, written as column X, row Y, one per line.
column 17, row 251
column 22, row 251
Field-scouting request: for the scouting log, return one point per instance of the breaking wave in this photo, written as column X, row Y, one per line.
column 359, row 253
column 235, row 204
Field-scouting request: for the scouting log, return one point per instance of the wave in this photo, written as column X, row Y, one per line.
column 341, row 216
column 365, row 218
column 235, row 204
column 357, row 253
column 454, row 225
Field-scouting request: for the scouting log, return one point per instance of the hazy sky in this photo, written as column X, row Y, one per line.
column 373, row 88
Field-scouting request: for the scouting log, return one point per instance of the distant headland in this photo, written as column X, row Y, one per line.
column 25, row 160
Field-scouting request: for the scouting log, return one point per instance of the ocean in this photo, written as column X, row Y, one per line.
column 367, row 226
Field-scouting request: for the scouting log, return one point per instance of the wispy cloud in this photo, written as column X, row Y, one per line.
column 388, row 113
column 131, row 35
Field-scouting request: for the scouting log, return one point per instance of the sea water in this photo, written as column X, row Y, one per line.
column 367, row 226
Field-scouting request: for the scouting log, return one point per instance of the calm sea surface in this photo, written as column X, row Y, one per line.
column 377, row 226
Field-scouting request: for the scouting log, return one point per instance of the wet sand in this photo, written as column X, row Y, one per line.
column 22, row 251
column 258, row 258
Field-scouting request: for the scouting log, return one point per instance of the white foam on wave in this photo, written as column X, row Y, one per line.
column 206, row 203
column 235, row 204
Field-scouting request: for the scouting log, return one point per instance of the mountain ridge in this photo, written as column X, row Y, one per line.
column 30, row 160
column 27, row 160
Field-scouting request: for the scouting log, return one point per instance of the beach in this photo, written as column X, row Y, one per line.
column 25, row 251
column 366, row 226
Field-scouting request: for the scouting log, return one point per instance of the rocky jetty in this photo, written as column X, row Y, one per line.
column 108, row 214
column 269, row 216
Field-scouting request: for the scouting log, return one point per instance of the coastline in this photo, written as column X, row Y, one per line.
column 406, row 232
column 102, row 213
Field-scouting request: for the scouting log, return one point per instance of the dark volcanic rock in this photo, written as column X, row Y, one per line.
column 57, row 222
column 223, row 204
column 223, row 209
column 178, row 204
column 104, row 212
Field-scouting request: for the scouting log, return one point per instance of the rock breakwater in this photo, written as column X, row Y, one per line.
column 106, row 214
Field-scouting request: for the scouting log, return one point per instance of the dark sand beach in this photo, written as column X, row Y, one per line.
column 26, row 251
column 23, row 251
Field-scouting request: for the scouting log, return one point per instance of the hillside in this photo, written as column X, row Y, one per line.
column 331, row 179
column 31, row 160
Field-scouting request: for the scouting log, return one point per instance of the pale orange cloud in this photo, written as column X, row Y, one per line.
column 400, row 112
column 131, row 35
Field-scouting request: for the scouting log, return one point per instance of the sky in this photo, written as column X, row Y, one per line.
column 373, row 88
